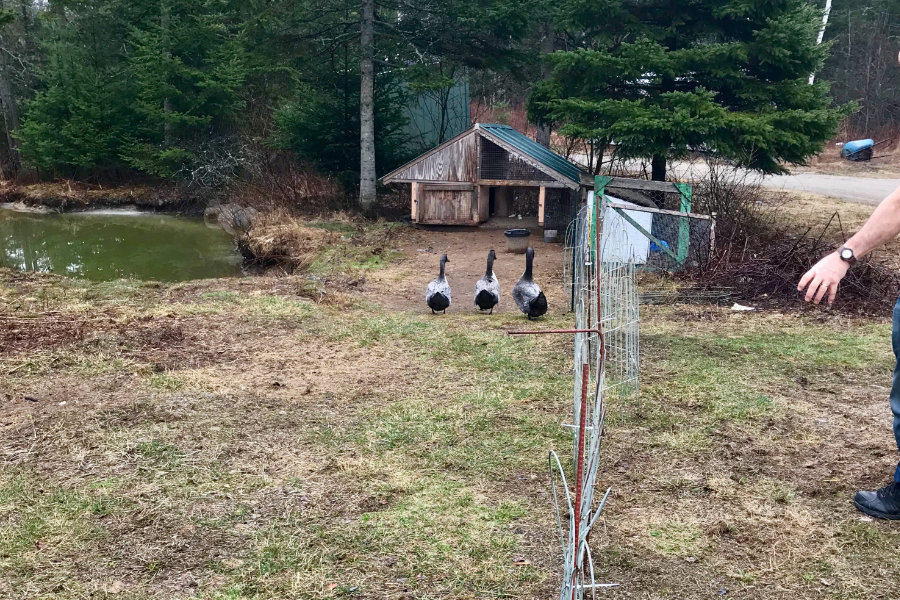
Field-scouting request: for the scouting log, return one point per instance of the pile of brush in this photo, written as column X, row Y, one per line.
column 768, row 270
column 285, row 241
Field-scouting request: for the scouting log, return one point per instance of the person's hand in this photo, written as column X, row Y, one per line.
column 824, row 278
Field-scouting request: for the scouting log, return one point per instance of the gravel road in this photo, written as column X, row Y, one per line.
column 865, row 190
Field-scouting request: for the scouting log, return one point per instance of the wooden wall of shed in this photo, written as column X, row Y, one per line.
column 456, row 162
column 447, row 207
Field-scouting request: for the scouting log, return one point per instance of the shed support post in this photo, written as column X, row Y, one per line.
column 542, row 199
column 414, row 200
column 501, row 201
column 484, row 203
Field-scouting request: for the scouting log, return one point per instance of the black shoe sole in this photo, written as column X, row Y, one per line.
column 875, row 513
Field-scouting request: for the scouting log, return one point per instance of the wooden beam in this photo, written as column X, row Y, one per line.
column 642, row 184
column 451, row 186
column 523, row 183
column 414, row 198
column 657, row 211
column 484, row 203
column 542, row 197
column 476, row 206
column 430, row 182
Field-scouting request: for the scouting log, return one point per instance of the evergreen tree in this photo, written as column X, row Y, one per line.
column 18, row 31
column 321, row 125
column 131, row 84
column 188, row 70
column 317, row 109
column 83, row 110
column 863, row 64
column 729, row 76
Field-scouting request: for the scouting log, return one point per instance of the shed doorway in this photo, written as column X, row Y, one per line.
column 513, row 207
column 530, row 207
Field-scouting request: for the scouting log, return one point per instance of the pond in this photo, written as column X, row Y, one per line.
column 114, row 244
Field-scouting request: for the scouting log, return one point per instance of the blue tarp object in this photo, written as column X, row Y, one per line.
column 851, row 148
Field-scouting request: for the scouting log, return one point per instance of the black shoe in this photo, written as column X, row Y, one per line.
column 881, row 504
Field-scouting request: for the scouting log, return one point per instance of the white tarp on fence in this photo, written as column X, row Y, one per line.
column 623, row 242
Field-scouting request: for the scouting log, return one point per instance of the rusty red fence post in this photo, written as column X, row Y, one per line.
column 579, row 477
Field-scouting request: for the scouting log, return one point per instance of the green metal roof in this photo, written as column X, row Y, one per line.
column 528, row 146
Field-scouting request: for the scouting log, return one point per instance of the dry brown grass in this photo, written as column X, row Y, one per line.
column 287, row 241
column 233, row 439
column 811, row 210
column 885, row 164
column 73, row 195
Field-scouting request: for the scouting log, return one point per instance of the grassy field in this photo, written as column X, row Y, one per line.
column 327, row 437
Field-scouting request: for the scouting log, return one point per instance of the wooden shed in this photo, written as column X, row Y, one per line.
column 470, row 179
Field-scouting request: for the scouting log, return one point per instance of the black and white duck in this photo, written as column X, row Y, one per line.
column 527, row 294
column 437, row 296
column 487, row 289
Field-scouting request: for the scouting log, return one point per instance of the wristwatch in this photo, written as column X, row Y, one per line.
column 847, row 255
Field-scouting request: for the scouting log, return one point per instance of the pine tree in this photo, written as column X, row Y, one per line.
column 132, row 85
column 188, row 69
column 661, row 78
column 863, row 64
column 83, row 109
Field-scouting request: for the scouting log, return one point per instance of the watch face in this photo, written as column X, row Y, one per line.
column 846, row 253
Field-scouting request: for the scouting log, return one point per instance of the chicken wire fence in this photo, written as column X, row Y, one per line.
column 608, row 242
column 606, row 363
column 635, row 240
column 618, row 298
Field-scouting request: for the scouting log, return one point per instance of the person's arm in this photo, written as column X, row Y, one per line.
column 825, row 277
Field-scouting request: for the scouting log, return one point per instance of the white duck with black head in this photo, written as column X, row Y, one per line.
column 437, row 296
column 487, row 289
column 528, row 295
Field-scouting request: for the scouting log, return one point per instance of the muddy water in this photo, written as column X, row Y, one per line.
column 116, row 244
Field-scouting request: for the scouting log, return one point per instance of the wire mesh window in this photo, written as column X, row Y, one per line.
column 497, row 163
column 659, row 240
column 559, row 208
column 688, row 238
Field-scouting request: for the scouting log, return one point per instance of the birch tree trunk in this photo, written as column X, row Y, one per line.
column 367, row 195
column 812, row 78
